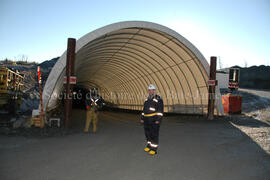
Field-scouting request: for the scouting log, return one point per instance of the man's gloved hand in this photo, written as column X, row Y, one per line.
column 142, row 121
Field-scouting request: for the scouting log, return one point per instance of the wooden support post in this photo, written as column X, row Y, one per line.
column 212, row 88
column 69, row 71
column 42, row 119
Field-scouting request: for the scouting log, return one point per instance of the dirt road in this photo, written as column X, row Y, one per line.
column 190, row 148
column 256, row 104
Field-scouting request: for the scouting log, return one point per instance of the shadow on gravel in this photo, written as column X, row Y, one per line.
column 243, row 120
column 191, row 147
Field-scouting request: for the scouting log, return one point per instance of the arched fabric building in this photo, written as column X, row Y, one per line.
column 122, row 59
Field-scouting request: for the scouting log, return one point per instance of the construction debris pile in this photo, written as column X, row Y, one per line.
column 30, row 89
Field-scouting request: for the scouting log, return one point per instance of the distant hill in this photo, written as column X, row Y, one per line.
column 46, row 67
column 255, row 77
column 48, row 64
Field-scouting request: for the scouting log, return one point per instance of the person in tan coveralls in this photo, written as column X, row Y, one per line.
column 91, row 115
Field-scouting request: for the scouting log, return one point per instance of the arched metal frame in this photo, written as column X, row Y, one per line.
column 124, row 58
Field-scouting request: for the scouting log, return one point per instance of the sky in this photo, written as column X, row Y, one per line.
column 237, row 32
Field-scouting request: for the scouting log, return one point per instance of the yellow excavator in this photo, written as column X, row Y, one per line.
column 11, row 82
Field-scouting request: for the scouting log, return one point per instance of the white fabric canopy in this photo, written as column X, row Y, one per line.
column 122, row 59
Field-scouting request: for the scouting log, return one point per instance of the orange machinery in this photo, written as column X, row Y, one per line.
column 232, row 103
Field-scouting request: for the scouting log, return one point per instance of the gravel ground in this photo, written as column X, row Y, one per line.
column 255, row 118
column 190, row 148
column 256, row 104
column 232, row 147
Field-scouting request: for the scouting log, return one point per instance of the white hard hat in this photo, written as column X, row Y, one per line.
column 151, row 86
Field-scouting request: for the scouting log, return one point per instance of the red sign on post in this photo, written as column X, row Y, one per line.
column 40, row 97
column 73, row 80
column 212, row 82
column 39, row 75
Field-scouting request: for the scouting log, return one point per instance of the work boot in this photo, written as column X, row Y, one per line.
column 152, row 152
column 94, row 128
column 147, row 149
